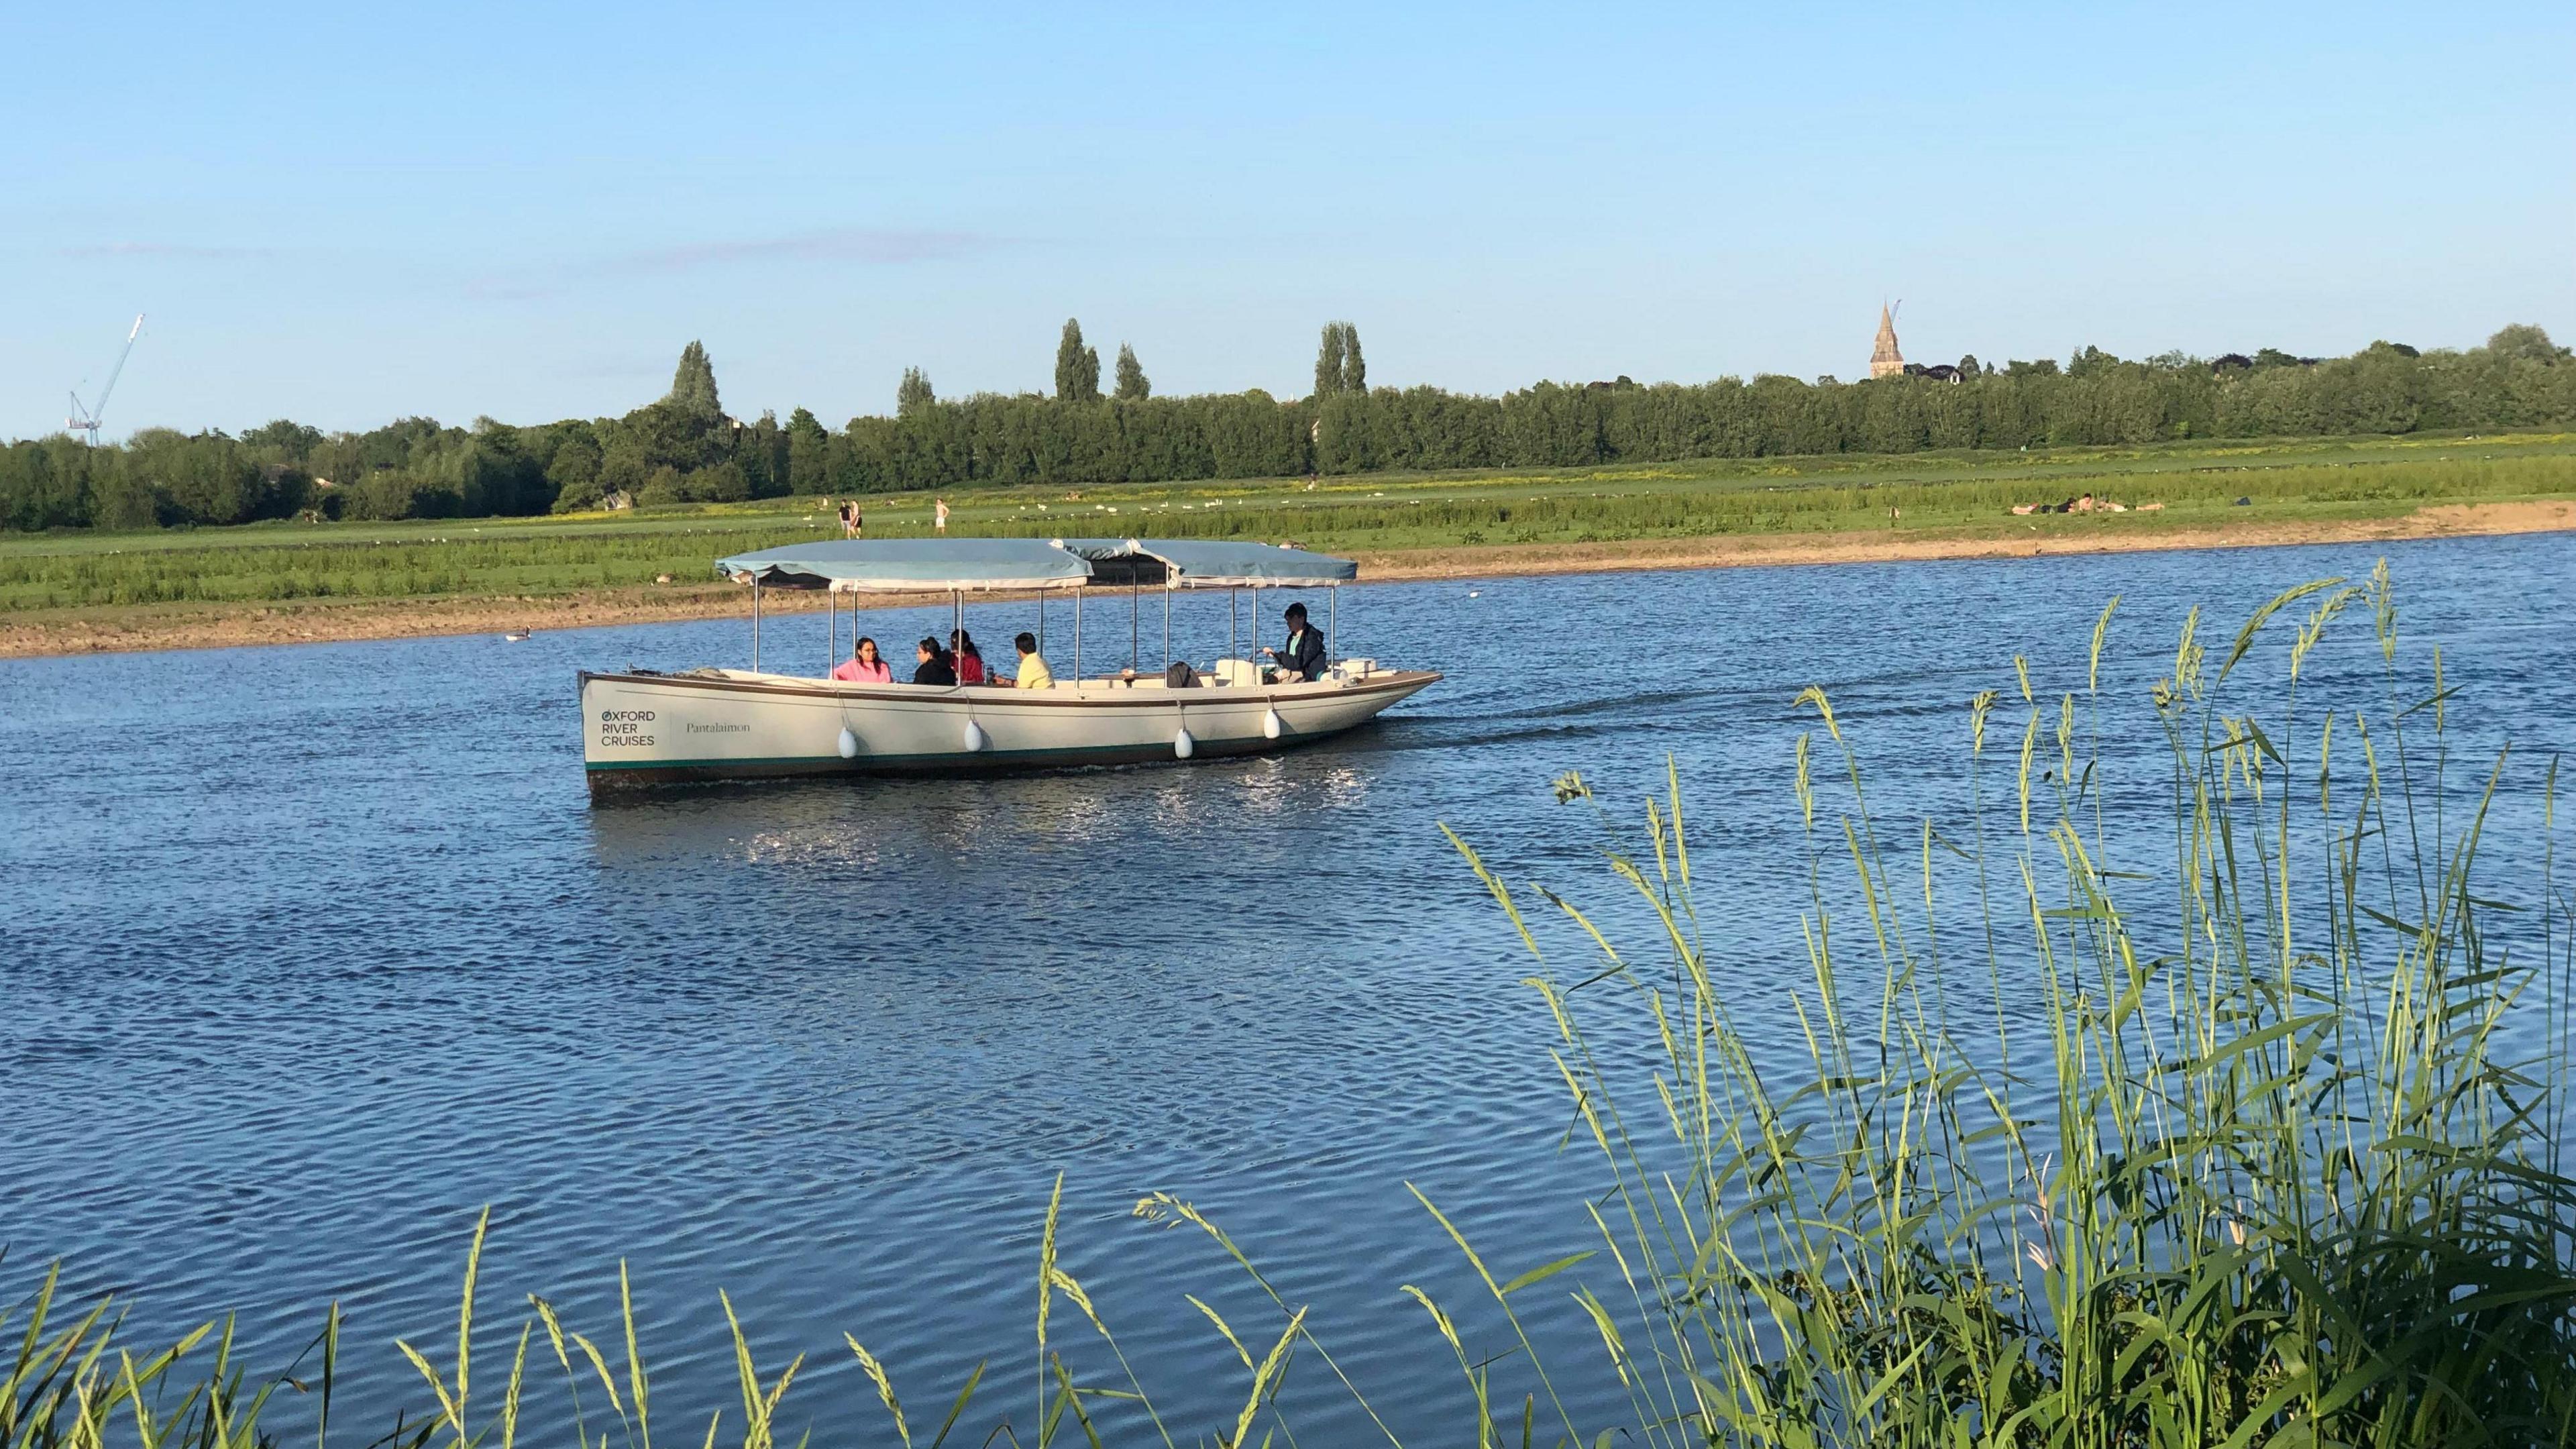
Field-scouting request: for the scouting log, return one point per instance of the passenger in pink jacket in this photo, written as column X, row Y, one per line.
column 863, row 666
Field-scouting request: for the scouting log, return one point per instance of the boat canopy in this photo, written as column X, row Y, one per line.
column 1199, row 563
column 986, row 565
column 911, row 565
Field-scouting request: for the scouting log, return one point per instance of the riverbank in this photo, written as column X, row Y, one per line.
column 219, row 624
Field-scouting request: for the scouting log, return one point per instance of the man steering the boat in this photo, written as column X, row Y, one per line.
column 1303, row 659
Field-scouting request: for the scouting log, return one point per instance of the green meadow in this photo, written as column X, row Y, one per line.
column 1934, row 495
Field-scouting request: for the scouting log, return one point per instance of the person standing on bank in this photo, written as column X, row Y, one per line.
column 1303, row 659
column 939, row 514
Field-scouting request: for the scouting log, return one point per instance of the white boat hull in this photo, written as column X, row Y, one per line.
column 643, row 729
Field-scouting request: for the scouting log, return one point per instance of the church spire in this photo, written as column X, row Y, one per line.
column 1884, row 359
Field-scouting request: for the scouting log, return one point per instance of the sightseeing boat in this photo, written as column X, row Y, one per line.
column 647, row 727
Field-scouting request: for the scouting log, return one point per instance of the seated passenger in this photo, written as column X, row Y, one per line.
column 934, row 667
column 1304, row 657
column 967, row 659
column 1034, row 673
column 863, row 666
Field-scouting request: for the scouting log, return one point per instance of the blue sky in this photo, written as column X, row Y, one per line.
column 348, row 213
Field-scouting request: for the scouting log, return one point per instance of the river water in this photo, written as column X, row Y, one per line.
column 309, row 954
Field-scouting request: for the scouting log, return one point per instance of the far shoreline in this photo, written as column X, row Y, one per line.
column 147, row 629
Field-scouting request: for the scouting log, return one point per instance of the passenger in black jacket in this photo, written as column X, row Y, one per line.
column 934, row 667
column 1304, row 656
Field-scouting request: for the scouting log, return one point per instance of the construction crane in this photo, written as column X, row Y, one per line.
column 85, row 420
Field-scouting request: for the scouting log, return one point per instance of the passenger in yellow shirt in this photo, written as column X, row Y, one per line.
column 1034, row 673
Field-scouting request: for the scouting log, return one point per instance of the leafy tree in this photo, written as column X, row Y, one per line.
column 119, row 499
column 1329, row 359
column 675, row 438
column 575, row 474
column 1132, row 384
column 2524, row 342
column 1354, row 371
column 723, row 483
column 1077, row 368
column 623, row 466
column 693, row 388
column 913, row 393
column 2274, row 357
column 288, row 440
column 760, row 454
column 662, row 485
column 1968, row 367
column 2090, row 362
column 809, row 453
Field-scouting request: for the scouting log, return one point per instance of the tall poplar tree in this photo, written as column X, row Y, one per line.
column 809, row 453
column 913, row 393
column 1132, row 383
column 693, row 387
column 1354, row 371
column 1077, row 368
column 1328, row 362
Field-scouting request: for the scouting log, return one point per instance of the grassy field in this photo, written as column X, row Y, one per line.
column 1915, row 496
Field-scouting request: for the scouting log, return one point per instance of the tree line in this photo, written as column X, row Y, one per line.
column 684, row 447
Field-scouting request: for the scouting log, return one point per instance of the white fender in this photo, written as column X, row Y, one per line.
column 849, row 744
column 1182, row 745
column 976, row 739
column 1272, row 726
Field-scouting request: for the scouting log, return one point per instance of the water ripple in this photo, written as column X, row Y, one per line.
column 311, row 953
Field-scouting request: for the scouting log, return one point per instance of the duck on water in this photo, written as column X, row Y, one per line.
column 642, row 727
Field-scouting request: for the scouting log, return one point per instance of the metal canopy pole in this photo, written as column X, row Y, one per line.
column 1231, row 625
column 957, row 636
column 755, row 626
column 1077, row 637
column 1135, row 606
column 1167, row 626
column 1332, row 625
column 831, row 631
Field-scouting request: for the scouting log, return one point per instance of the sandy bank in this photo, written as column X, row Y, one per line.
column 211, row 626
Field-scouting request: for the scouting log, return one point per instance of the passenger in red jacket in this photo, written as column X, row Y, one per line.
column 968, row 659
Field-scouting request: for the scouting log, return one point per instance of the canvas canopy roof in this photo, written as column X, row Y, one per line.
column 984, row 565
column 1198, row 563
column 910, row 565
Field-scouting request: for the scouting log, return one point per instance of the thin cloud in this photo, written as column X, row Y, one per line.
column 489, row 289
column 870, row 246
column 859, row 246
column 180, row 250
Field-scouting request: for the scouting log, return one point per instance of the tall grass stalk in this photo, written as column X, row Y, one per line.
column 2275, row 1178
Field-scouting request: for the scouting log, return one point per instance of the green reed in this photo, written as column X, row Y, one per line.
column 2246, row 1164
column 2270, row 1181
